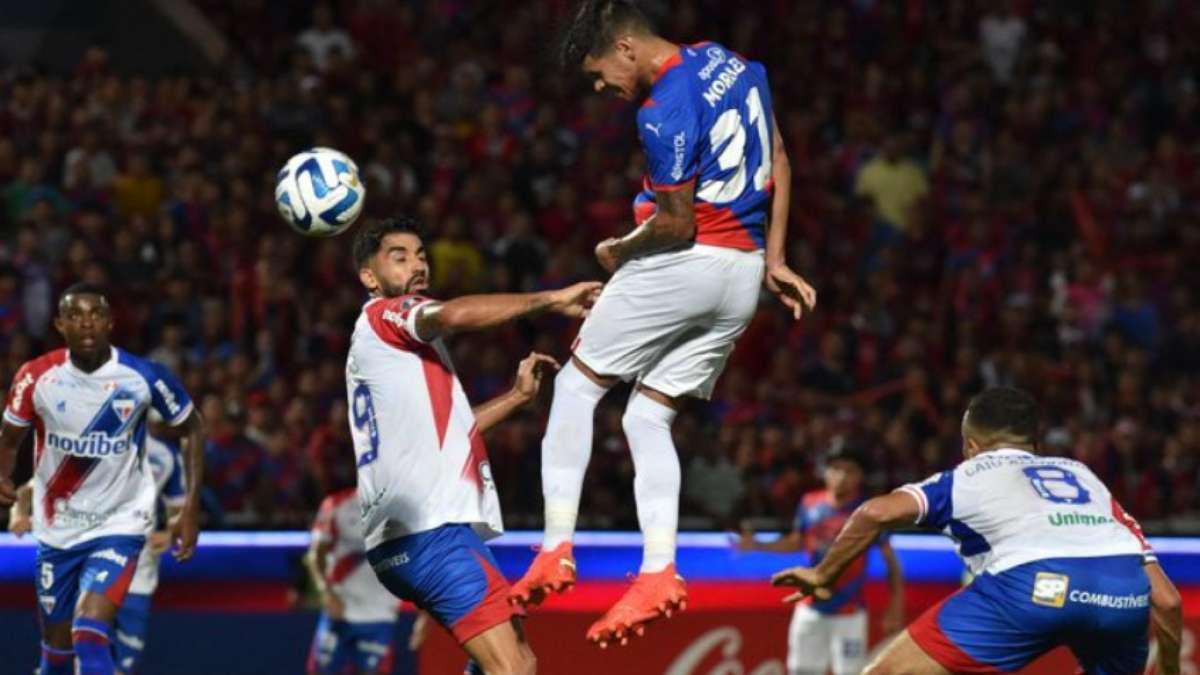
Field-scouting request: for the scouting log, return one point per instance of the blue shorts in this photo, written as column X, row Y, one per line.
column 103, row 565
column 448, row 572
column 1097, row 607
column 129, row 638
column 337, row 644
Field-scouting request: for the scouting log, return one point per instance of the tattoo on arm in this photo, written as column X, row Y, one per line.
column 674, row 224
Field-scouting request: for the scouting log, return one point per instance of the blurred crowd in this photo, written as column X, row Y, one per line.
column 984, row 193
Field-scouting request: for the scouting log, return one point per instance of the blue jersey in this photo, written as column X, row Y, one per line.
column 708, row 120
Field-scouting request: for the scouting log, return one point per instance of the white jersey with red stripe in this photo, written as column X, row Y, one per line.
column 1009, row 507
column 339, row 524
column 90, row 477
column 421, row 461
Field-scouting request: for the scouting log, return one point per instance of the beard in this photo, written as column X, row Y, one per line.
column 389, row 290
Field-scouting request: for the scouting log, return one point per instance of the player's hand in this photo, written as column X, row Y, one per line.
column 8, row 491
column 420, row 631
column 893, row 619
column 576, row 300
column 791, row 288
column 158, row 542
column 529, row 375
column 19, row 523
column 807, row 581
column 333, row 605
column 744, row 541
column 606, row 255
column 185, row 530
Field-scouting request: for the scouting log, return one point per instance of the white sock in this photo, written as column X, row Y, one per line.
column 647, row 426
column 566, row 449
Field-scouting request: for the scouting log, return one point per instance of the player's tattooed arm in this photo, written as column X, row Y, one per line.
column 479, row 312
column 898, row 509
column 673, row 225
column 185, row 527
column 11, row 437
column 1167, row 616
column 528, row 382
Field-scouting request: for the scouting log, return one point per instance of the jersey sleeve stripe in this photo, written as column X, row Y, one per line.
column 182, row 416
column 15, row 420
column 922, row 502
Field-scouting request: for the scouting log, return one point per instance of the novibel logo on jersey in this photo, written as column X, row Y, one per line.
column 95, row 444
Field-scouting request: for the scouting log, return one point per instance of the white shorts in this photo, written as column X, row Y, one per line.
column 818, row 642
column 669, row 321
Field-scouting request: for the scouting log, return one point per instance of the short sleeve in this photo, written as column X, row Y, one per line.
column 394, row 320
column 670, row 136
column 18, row 410
column 933, row 497
column 167, row 395
column 800, row 522
column 324, row 530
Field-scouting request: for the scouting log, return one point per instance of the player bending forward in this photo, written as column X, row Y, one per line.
column 428, row 500
column 832, row 633
column 685, row 284
column 93, row 498
column 1057, row 562
column 357, row 626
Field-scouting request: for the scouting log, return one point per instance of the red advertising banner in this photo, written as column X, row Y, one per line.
column 707, row 640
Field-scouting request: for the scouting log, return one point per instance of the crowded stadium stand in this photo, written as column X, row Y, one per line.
column 984, row 193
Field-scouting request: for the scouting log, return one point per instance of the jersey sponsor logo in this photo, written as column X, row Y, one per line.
column 680, row 144
column 168, row 397
column 18, row 391
column 95, row 444
column 1130, row 601
column 1066, row 519
column 716, row 56
column 111, row 555
column 724, row 81
column 393, row 317
column 394, row 561
column 1050, row 590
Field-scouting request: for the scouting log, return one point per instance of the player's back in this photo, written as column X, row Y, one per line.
column 421, row 460
column 89, row 444
column 1008, row 507
column 708, row 118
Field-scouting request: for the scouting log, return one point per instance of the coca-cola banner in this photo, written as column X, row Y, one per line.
column 694, row 643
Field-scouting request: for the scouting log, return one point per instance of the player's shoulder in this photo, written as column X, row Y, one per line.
column 141, row 365
column 34, row 368
column 336, row 500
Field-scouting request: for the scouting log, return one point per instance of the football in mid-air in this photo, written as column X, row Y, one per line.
column 319, row 192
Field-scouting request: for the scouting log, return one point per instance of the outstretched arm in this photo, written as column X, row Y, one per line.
column 478, row 312
column 672, row 225
column 1167, row 615
column 11, row 436
column 897, row 509
column 524, row 390
column 791, row 289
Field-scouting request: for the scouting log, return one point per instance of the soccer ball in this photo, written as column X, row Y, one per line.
column 318, row 192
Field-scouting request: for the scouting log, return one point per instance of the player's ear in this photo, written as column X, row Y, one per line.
column 623, row 47
column 367, row 277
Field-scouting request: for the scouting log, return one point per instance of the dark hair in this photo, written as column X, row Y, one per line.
column 1004, row 411
column 82, row 288
column 594, row 27
column 848, row 452
column 369, row 237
